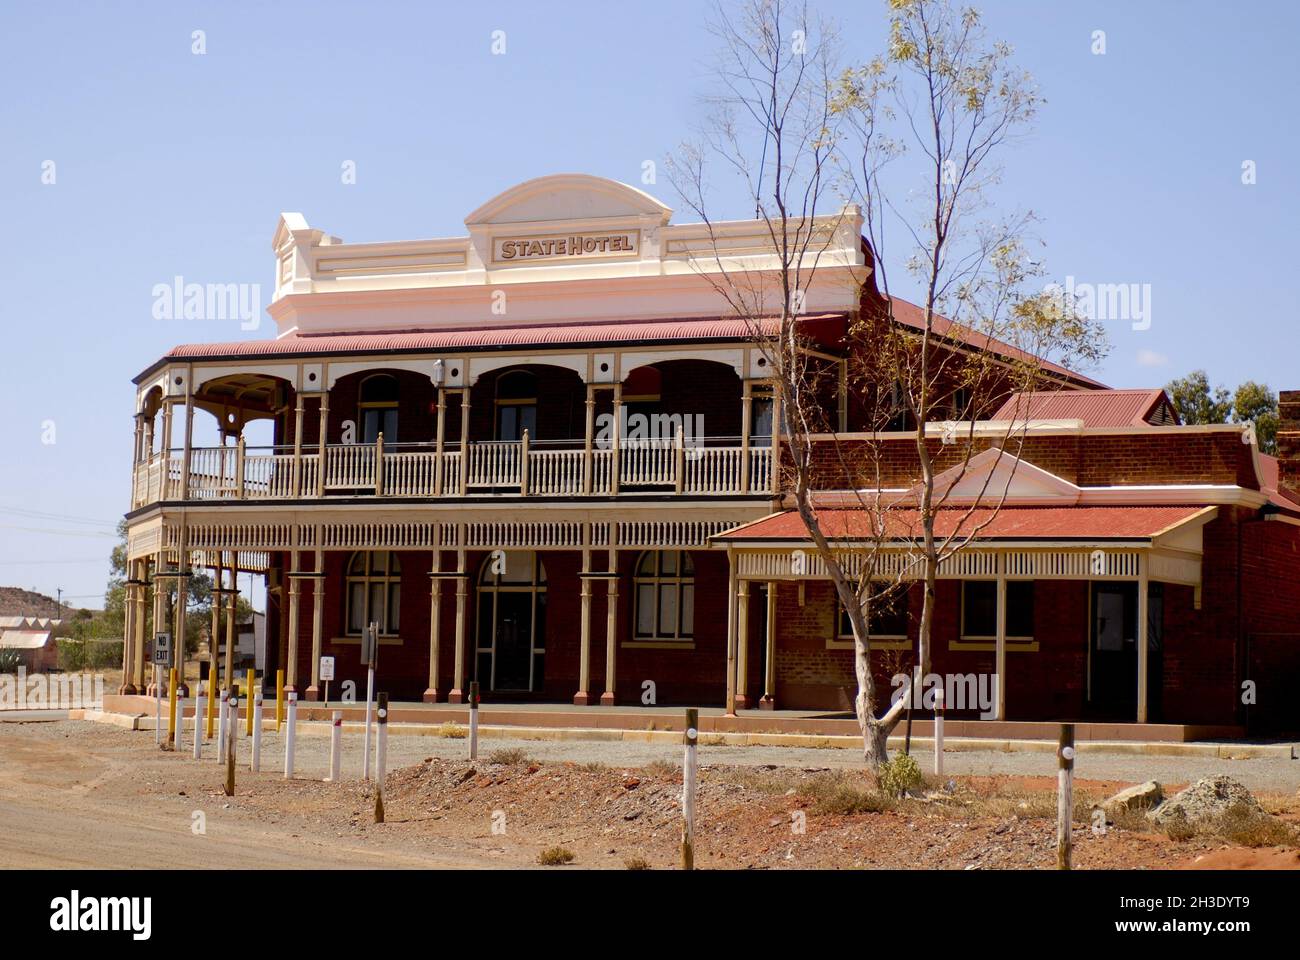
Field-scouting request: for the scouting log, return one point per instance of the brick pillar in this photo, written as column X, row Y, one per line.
column 1288, row 439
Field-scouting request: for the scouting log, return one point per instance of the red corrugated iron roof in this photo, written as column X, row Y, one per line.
column 1269, row 484
column 537, row 335
column 1009, row 523
column 1096, row 408
column 914, row 316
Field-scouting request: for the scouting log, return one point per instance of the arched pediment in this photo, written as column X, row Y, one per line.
column 568, row 196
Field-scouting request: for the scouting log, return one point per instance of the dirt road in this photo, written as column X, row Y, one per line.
column 82, row 795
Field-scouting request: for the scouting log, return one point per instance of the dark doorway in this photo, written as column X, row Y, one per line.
column 1112, row 655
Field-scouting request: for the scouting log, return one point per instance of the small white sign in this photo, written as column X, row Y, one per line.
column 327, row 668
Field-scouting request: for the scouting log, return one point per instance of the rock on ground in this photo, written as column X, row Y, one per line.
column 1206, row 799
column 1141, row 797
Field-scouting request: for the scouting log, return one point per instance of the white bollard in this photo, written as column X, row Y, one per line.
column 370, row 697
column 290, row 728
column 336, row 745
column 222, row 719
column 938, row 732
column 178, row 738
column 255, row 764
column 157, row 708
column 473, row 720
column 200, row 701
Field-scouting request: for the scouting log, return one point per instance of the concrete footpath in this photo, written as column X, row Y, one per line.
column 451, row 729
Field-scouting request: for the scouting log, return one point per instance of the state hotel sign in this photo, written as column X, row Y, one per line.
column 566, row 246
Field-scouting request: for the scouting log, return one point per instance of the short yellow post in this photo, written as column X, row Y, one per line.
column 171, row 705
column 213, row 692
column 248, row 704
column 279, row 699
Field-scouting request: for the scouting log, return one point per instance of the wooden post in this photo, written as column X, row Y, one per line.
column 317, row 619
column 188, row 453
column 233, row 740
column 457, row 693
column 213, row 648
column 232, row 607
column 583, row 697
column 295, row 622
column 689, row 771
column 607, row 698
column 379, row 465
column 679, row 459
column 464, row 441
column 938, row 732
column 381, row 757
column 1065, row 797
column 615, row 462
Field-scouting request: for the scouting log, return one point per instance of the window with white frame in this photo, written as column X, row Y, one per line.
column 374, row 592
column 665, row 597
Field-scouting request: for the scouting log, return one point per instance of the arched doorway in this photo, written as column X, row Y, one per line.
column 511, row 623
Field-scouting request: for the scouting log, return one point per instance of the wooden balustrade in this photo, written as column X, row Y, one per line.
column 526, row 468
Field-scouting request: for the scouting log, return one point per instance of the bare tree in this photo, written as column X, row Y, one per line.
column 802, row 136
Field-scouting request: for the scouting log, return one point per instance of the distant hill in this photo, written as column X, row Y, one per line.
column 17, row 602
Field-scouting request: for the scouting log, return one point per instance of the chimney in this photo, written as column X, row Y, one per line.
column 1288, row 439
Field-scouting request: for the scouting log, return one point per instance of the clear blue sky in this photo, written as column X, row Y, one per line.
column 169, row 163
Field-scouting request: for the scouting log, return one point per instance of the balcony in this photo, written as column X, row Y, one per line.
column 719, row 466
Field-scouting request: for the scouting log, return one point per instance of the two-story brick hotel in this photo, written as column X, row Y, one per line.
column 460, row 455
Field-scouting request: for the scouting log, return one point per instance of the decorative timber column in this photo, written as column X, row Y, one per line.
column 298, row 413
column 1143, row 637
column 439, row 476
column 611, row 594
column 232, row 600
column 141, row 574
column 742, row 644
column 588, row 469
column 317, row 619
column 768, row 700
column 616, row 461
column 321, row 444
column 189, row 446
column 128, row 634
column 464, row 449
column 777, row 416
column 159, row 608
column 182, row 602
column 583, row 697
column 214, row 644
column 457, row 692
column 165, row 465
column 746, row 423
column 295, row 609
column 731, row 634
column 435, row 611
column 1000, row 643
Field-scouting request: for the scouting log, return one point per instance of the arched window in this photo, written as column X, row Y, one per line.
column 665, row 596
column 378, row 408
column 516, row 402
column 374, row 592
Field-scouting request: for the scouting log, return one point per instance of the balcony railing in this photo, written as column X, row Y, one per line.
column 719, row 466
